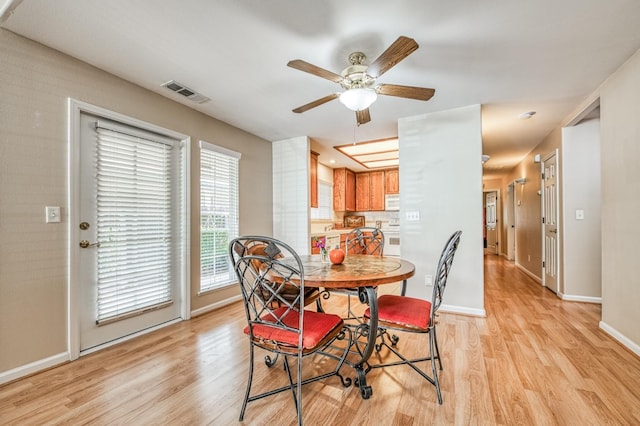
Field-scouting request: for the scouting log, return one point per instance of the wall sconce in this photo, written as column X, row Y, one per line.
column 485, row 158
column 521, row 181
column 536, row 158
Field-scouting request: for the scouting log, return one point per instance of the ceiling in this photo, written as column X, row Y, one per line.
column 509, row 56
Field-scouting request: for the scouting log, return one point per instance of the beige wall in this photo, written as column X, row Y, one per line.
column 620, row 156
column 35, row 83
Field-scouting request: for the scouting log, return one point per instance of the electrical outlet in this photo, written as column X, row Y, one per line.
column 428, row 280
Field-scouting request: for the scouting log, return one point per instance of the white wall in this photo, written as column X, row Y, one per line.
column 581, row 189
column 441, row 178
column 291, row 203
column 620, row 153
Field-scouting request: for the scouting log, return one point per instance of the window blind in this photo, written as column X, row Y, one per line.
column 325, row 202
column 134, row 224
column 219, row 218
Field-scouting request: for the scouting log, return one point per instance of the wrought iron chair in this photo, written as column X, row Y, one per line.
column 271, row 278
column 408, row 314
column 365, row 240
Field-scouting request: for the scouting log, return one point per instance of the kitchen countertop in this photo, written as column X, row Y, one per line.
column 333, row 232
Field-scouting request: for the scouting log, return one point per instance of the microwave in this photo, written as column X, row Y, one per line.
column 392, row 202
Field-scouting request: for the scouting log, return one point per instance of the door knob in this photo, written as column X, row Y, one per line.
column 87, row 244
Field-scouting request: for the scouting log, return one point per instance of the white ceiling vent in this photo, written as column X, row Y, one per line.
column 185, row 91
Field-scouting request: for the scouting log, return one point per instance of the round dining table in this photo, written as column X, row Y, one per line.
column 362, row 273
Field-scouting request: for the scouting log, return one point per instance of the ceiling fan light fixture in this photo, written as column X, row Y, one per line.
column 358, row 99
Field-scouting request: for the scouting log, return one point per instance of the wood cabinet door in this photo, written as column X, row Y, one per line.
column 313, row 173
column 339, row 189
column 350, row 201
column 392, row 181
column 376, row 190
column 362, row 192
column 344, row 190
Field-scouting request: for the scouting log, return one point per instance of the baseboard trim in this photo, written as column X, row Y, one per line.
column 216, row 305
column 34, row 367
column 586, row 299
column 624, row 340
column 529, row 273
column 463, row 310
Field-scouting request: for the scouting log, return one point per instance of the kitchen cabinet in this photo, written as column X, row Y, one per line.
column 362, row 192
column 313, row 172
column 370, row 190
column 344, row 190
column 392, row 181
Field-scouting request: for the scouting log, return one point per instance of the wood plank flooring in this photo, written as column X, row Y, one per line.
column 534, row 360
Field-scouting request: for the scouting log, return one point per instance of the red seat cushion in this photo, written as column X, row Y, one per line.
column 403, row 311
column 316, row 327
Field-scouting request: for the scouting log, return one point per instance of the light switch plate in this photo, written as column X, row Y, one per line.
column 52, row 214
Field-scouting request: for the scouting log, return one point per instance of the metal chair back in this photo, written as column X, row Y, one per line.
column 365, row 240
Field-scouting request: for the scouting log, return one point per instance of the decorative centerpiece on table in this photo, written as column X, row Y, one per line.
column 321, row 244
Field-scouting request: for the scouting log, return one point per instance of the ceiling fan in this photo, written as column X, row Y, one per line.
column 359, row 80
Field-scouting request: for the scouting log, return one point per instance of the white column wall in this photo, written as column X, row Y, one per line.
column 441, row 179
column 581, row 191
column 291, row 202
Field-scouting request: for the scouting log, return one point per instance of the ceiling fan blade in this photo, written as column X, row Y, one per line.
column 363, row 116
column 419, row 93
column 301, row 65
column 315, row 103
column 400, row 49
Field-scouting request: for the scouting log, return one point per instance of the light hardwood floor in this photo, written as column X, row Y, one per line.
column 533, row 360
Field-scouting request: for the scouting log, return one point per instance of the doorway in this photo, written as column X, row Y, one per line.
column 491, row 213
column 550, row 246
column 128, row 268
column 510, row 221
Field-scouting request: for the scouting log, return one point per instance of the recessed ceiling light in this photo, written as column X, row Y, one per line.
column 373, row 154
column 526, row 115
column 332, row 161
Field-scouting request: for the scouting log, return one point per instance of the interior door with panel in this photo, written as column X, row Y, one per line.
column 491, row 221
column 550, row 223
column 130, row 233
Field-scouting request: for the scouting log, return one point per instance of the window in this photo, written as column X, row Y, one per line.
column 218, row 214
column 325, row 202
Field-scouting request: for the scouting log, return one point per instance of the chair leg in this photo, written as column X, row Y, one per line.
column 296, row 387
column 299, row 390
column 249, row 380
column 432, row 349
column 435, row 339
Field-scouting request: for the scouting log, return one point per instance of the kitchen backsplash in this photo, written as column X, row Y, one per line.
column 386, row 219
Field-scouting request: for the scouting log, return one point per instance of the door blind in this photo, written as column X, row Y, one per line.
column 218, row 214
column 134, row 224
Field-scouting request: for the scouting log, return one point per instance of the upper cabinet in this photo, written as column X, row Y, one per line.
column 392, row 181
column 344, row 190
column 313, row 172
column 370, row 191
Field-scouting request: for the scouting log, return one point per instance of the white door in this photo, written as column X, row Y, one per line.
column 128, row 231
column 511, row 223
column 491, row 221
column 550, row 223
